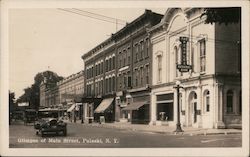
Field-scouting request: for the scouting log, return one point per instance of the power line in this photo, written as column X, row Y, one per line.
column 91, row 16
column 101, row 15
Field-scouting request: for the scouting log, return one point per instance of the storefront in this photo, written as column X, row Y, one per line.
column 105, row 111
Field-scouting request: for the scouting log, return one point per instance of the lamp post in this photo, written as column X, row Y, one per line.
column 178, row 124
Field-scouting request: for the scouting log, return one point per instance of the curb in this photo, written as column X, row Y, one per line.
column 167, row 132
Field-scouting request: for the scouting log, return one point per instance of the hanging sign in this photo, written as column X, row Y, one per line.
column 183, row 67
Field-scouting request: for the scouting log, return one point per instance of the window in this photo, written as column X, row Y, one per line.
column 202, row 44
column 147, row 74
column 159, row 67
column 113, row 82
column 239, row 55
column 136, row 52
column 120, row 64
column 147, row 48
column 207, row 101
column 176, row 60
column 124, row 81
column 124, row 59
column 92, row 72
column 128, row 55
column 106, row 65
column 110, row 64
column 141, row 75
column 136, row 78
column 114, row 62
column 101, row 67
column 142, row 49
column 110, row 85
column 230, row 101
column 240, row 104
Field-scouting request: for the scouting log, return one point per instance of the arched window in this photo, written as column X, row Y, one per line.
column 159, row 69
column 202, row 55
column 230, row 101
column 207, row 101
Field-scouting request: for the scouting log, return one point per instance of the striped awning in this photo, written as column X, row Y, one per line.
column 104, row 105
column 135, row 105
column 71, row 108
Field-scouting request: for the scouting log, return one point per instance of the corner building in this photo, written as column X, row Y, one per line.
column 211, row 93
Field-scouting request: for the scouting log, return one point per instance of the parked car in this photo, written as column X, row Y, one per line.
column 50, row 125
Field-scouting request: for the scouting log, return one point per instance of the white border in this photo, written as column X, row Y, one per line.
column 5, row 5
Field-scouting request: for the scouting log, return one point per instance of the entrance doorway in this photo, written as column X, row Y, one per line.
column 192, row 116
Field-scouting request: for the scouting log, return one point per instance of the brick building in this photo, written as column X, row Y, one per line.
column 118, row 72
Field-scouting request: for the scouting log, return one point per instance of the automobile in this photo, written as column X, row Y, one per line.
column 50, row 125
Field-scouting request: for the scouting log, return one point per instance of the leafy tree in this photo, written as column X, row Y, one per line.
column 12, row 104
column 222, row 15
column 32, row 94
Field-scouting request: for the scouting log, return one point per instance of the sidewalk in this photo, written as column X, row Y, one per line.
column 166, row 129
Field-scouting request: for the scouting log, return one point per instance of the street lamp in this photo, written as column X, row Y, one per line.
column 178, row 124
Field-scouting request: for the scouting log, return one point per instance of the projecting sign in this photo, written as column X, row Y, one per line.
column 183, row 67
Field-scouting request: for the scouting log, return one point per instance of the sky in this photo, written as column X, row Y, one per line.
column 53, row 39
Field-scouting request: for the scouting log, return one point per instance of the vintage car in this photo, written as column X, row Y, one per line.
column 51, row 125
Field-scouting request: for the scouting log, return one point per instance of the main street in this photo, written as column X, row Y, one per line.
column 87, row 136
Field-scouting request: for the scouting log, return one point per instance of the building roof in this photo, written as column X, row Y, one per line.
column 147, row 14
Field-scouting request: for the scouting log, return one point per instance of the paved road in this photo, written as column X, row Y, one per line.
column 87, row 136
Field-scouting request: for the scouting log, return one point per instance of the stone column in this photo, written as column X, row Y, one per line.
column 220, row 123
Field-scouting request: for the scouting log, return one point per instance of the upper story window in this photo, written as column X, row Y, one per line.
column 141, row 74
column 147, row 48
column 147, row 74
column 239, row 55
column 202, row 46
column 207, row 101
column 113, row 62
column 159, row 68
column 142, row 49
column 177, row 61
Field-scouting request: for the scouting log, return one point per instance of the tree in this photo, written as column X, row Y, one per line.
column 12, row 105
column 32, row 94
column 222, row 15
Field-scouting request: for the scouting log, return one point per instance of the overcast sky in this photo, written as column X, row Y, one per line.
column 52, row 39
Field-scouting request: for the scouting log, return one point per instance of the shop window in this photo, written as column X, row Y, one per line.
column 230, row 101
column 207, row 101
column 165, row 111
column 202, row 44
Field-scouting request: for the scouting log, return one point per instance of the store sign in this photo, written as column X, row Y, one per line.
column 183, row 67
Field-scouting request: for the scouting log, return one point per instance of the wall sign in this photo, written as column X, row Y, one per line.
column 183, row 67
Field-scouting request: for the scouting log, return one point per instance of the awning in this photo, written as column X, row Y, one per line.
column 104, row 105
column 135, row 105
column 71, row 108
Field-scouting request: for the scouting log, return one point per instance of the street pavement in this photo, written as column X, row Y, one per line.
column 101, row 136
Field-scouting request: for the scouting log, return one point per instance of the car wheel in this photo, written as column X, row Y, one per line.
column 65, row 133
column 42, row 133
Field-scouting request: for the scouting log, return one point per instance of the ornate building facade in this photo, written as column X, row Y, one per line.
column 211, row 93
